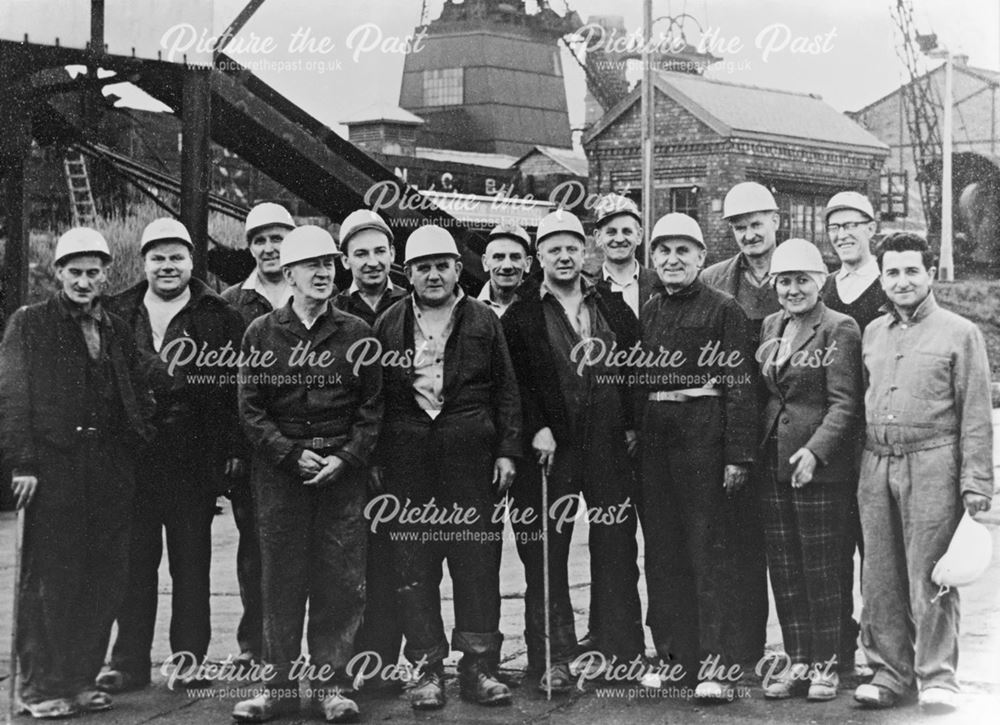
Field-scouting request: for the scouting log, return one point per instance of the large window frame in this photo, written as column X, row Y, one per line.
column 444, row 87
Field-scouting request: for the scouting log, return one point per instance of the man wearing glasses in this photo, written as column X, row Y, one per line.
column 853, row 290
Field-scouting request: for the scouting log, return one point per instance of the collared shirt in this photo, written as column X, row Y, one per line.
column 928, row 379
column 580, row 324
column 355, row 288
column 486, row 296
column 310, row 324
column 851, row 284
column 254, row 283
column 353, row 302
column 430, row 337
column 90, row 323
column 580, row 391
column 629, row 290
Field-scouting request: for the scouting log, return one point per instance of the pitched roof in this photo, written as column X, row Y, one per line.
column 732, row 109
column 570, row 159
column 476, row 158
column 383, row 112
column 990, row 77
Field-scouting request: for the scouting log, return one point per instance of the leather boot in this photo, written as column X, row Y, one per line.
column 478, row 682
column 428, row 692
column 265, row 706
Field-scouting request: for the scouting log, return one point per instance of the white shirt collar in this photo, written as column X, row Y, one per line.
column 608, row 276
column 867, row 271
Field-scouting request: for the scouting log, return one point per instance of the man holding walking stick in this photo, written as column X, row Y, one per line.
column 76, row 406
column 579, row 430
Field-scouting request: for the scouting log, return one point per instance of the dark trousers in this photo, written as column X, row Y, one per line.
column 312, row 546
column 804, row 529
column 749, row 592
column 249, row 632
column 74, row 567
column 599, row 468
column 688, row 525
column 168, row 498
column 849, row 627
column 448, row 461
column 381, row 630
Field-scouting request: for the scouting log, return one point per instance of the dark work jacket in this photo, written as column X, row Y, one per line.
column 479, row 388
column 283, row 405
column 196, row 415
column 683, row 323
column 250, row 303
column 43, row 360
column 542, row 400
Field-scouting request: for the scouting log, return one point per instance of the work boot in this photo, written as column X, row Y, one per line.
column 115, row 681
column 428, row 692
column 335, row 707
column 265, row 706
column 560, row 678
column 91, row 701
column 478, row 682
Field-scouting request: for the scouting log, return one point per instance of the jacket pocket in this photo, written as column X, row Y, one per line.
column 932, row 376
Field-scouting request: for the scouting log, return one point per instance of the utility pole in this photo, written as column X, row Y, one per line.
column 647, row 122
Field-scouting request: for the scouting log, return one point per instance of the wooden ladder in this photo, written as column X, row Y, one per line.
column 81, row 198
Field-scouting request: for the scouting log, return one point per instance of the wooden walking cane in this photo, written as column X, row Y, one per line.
column 18, row 542
column 545, row 582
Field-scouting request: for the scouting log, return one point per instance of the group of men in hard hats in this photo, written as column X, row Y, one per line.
column 373, row 434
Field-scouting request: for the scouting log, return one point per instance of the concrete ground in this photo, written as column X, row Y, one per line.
column 979, row 666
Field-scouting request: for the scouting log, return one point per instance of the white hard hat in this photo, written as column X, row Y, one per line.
column 746, row 198
column 612, row 205
column 967, row 557
column 514, row 232
column 307, row 242
column 164, row 229
column 559, row 221
column 676, row 226
column 358, row 221
column 81, row 240
column 797, row 255
column 430, row 240
column 268, row 214
column 849, row 200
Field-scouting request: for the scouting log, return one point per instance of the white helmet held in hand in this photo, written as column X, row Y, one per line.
column 967, row 557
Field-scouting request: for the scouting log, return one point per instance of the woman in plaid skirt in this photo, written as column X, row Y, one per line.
column 810, row 360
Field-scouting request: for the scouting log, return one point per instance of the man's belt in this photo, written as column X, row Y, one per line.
column 318, row 442
column 899, row 449
column 682, row 396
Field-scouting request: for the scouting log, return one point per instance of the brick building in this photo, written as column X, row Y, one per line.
column 710, row 135
column 975, row 164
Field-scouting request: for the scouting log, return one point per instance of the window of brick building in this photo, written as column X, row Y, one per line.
column 443, row 87
column 802, row 216
column 684, row 199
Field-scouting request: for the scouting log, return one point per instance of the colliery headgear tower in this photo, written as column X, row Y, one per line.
column 488, row 78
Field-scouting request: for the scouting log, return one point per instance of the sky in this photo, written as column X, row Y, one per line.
column 336, row 57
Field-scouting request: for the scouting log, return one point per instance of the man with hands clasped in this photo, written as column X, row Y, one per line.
column 313, row 419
